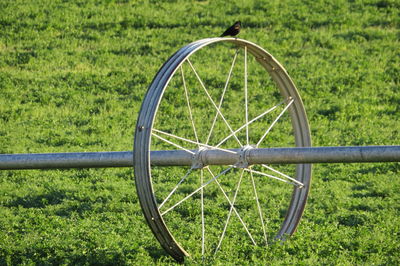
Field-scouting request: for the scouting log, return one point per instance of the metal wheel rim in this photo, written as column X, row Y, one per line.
column 145, row 122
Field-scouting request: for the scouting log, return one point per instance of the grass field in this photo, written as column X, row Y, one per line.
column 73, row 76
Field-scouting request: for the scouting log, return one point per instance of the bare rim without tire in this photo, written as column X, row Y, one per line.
column 206, row 196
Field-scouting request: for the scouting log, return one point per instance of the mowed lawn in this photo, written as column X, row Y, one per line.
column 72, row 78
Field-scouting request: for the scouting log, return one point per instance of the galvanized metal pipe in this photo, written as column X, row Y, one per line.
column 350, row 154
column 208, row 157
column 66, row 160
column 365, row 154
column 88, row 160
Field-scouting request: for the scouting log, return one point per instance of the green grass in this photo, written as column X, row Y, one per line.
column 72, row 78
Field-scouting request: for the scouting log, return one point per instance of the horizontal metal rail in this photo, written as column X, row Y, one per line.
column 208, row 157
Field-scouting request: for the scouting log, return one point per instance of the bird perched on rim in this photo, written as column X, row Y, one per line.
column 232, row 30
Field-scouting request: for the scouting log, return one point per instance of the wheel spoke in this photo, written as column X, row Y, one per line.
column 230, row 213
column 259, row 208
column 212, row 101
column 222, row 96
column 248, row 123
column 189, row 107
column 297, row 184
column 197, row 190
column 191, row 141
column 203, row 230
column 282, row 174
column 246, row 96
column 172, row 143
column 233, row 207
column 276, row 120
column 175, row 188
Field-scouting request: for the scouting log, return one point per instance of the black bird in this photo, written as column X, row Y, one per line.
column 232, row 30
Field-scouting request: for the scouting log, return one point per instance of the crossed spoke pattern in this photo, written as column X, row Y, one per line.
column 170, row 203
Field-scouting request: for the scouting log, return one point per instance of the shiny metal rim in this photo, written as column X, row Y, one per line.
column 145, row 132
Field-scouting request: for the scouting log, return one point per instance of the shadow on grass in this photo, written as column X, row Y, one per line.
column 157, row 253
column 379, row 168
column 353, row 220
column 38, row 201
column 69, row 204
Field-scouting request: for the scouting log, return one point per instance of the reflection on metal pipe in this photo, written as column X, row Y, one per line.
column 209, row 157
